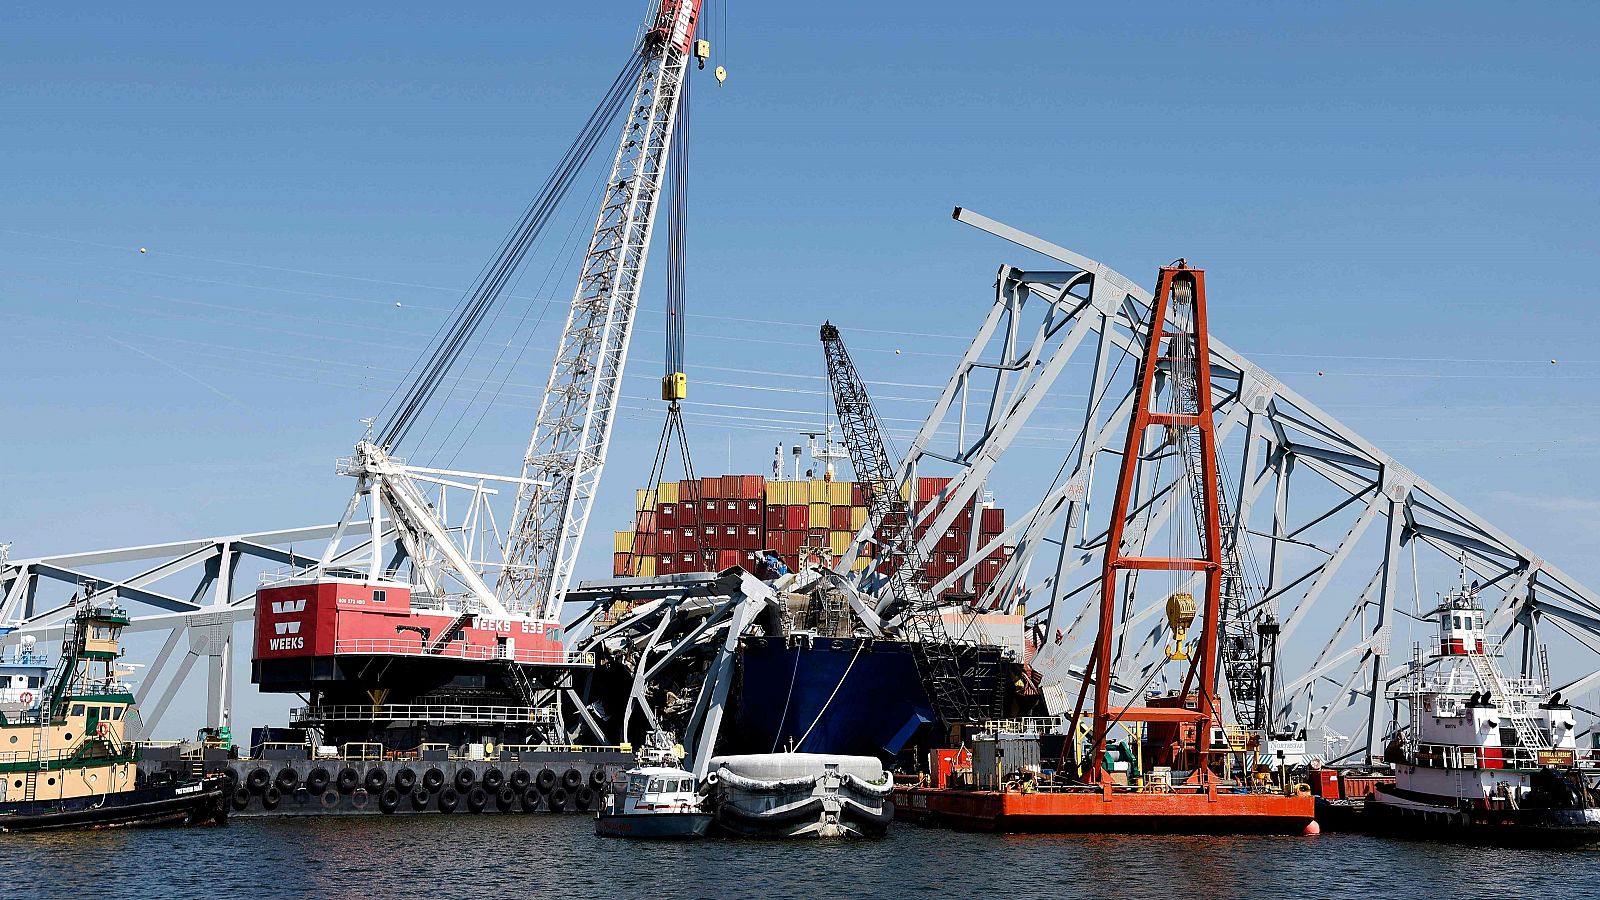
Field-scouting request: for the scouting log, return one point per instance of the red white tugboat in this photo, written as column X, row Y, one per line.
column 1485, row 757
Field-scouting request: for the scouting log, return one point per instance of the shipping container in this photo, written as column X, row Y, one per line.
column 750, row 511
column 688, row 512
column 993, row 521
column 667, row 540
column 839, row 492
column 667, row 515
column 750, row 537
column 839, row 542
column 623, row 542
column 689, row 491
column 620, row 563
column 644, row 500
column 774, row 518
column 645, row 521
column 644, row 544
column 929, row 488
column 667, row 492
column 647, row 566
column 711, row 488
column 857, row 497
column 858, row 518
column 817, row 491
column 727, row 559
column 664, row 564
column 821, row 516
column 839, row 518
column 796, row 517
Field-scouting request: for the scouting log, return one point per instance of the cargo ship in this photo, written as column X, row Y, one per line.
column 824, row 686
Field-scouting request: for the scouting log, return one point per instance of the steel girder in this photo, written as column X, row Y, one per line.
column 1324, row 569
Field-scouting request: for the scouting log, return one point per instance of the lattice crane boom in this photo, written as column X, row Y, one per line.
column 568, row 445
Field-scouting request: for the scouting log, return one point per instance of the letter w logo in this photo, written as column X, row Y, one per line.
column 285, row 607
column 287, row 627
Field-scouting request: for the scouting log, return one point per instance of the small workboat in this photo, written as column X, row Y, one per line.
column 656, row 798
column 65, row 757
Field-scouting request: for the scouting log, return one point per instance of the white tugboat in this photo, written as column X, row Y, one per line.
column 1485, row 757
column 655, row 799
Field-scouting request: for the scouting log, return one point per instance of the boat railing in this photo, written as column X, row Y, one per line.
column 1027, row 725
column 416, row 647
column 431, row 712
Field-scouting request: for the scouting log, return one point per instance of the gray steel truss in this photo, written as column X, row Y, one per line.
column 1330, row 524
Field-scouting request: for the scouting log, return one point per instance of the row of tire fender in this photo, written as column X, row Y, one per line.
column 507, row 792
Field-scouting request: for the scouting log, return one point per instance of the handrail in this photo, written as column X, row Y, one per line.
column 416, row 647
column 436, row 712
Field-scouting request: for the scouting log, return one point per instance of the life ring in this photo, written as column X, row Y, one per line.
column 1302, row 789
column 348, row 779
column 448, row 798
column 570, row 779
column 376, row 779
column 359, row 798
column 388, row 801
column 432, row 779
column 558, row 799
column 505, row 799
column 405, row 780
column 520, row 779
column 531, row 799
column 546, row 780
column 317, row 780
column 493, row 779
column 464, row 779
column 477, row 799
column 102, row 730
column 26, row 697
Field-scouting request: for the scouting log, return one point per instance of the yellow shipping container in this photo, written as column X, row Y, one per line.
column 858, row 517
column 820, row 515
column 819, row 492
column 839, row 542
column 644, row 500
column 646, row 566
column 667, row 492
column 839, row 493
column 861, row 563
column 777, row 493
column 624, row 542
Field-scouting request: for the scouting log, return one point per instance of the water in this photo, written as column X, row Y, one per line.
column 484, row 857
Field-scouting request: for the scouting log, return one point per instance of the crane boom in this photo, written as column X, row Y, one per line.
column 935, row 653
column 567, row 448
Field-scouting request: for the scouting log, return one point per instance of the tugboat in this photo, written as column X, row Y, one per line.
column 1485, row 758
column 65, row 759
column 655, row 799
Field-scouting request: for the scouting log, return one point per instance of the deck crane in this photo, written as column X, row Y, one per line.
column 567, row 450
column 891, row 514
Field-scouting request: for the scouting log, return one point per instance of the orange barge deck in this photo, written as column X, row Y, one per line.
column 1201, row 812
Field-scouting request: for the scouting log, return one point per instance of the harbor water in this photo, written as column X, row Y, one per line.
column 479, row 857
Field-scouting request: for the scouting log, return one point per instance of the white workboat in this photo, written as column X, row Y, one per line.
column 655, row 799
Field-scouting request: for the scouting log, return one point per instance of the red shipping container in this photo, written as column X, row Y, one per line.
column 688, row 512
column 711, row 488
column 774, row 518
column 929, row 488
column 688, row 491
column 664, row 564
column 688, row 538
column 711, row 511
column 645, row 521
column 796, row 517
column 667, row 540
column 751, row 511
column 753, row 487
column 993, row 521
column 730, row 537
column 750, row 537
column 727, row 559
column 857, row 498
column 644, row 544
column 667, row 515
column 619, row 564
column 839, row 518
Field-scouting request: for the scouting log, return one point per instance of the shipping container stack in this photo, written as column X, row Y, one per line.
column 712, row 524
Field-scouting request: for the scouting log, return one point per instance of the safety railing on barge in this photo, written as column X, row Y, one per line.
column 431, row 712
column 415, row 647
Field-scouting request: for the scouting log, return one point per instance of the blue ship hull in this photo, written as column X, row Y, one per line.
column 831, row 695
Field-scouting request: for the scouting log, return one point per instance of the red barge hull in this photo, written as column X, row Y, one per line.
column 1113, row 813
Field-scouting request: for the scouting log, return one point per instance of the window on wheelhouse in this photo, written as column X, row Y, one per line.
column 636, row 784
column 655, row 786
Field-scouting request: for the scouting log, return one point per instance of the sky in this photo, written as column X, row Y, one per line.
column 1394, row 203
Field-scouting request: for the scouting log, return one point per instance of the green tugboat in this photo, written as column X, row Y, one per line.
column 66, row 759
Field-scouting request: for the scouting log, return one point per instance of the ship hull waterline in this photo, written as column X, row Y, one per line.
column 1080, row 813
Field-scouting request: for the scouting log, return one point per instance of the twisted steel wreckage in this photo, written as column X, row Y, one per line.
column 418, row 578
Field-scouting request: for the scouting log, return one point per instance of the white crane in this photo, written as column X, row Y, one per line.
column 567, row 449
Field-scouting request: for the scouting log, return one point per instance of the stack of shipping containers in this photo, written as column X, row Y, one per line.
column 716, row 523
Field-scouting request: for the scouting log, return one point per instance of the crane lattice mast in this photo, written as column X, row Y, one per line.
column 891, row 513
column 568, row 446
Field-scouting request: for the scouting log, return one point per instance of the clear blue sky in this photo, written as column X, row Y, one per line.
column 1400, row 197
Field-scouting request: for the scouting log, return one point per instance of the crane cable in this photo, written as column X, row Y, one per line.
column 435, row 364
